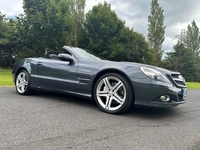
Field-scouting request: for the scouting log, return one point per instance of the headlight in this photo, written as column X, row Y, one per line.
column 152, row 73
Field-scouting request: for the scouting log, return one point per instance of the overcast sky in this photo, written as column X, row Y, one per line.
column 178, row 14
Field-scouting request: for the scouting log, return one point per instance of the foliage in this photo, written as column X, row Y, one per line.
column 192, row 38
column 102, row 29
column 77, row 14
column 156, row 30
column 23, row 42
column 48, row 22
column 6, row 43
column 135, row 47
column 185, row 57
column 107, row 36
column 184, row 61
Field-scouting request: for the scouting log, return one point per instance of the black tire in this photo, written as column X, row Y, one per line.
column 113, row 93
column 22, row 83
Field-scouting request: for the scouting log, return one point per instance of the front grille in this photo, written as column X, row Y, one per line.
column 180, row 83
column 177, row 79
column 175, row 75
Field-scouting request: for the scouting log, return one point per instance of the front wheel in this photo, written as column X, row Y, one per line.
column 113, row 93
column 22, row 83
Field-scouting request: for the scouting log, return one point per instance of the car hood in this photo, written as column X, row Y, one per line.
column 164, row 71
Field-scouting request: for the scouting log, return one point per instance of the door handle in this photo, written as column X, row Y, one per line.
column 39, row 63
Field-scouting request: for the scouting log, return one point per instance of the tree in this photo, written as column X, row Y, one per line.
column 2, row 28
column 6, row 42
column 77, row 13
column 135, row 47
column 192, row 38
column 48, row 21
column 183, row 60
column 107, row 36
column 185, row 57
column 156, row 29
column 102, row 29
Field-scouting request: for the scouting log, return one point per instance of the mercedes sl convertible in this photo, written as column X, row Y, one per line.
column 115, row 86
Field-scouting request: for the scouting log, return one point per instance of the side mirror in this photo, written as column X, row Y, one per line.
column 66, row 57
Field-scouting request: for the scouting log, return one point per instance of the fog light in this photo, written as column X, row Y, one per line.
column 165, row 98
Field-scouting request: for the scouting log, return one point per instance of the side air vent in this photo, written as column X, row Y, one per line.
column 83, row 79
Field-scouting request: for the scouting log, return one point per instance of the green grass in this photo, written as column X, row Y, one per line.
column 6, row 77
column 193, row 85
column 6, row 80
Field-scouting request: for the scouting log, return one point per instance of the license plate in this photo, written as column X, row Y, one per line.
column 183, row 92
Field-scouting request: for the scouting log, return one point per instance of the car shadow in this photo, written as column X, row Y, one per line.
column 151, row 112
column 138, row 112
column 66, row 98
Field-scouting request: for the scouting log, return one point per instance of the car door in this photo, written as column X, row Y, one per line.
column 56, row 74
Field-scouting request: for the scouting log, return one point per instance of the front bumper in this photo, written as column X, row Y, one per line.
column 176, row 97
column 149, row 93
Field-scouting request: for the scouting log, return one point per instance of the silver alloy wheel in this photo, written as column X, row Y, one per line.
column 111, row 93
column 22, row 82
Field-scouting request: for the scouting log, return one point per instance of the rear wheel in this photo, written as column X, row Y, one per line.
column 22, row 83
column 113, row 93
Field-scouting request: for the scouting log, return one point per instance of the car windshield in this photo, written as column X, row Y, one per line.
column 84, row 54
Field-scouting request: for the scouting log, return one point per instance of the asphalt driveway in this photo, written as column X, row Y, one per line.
column 47, row 121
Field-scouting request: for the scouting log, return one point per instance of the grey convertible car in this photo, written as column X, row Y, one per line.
column 115, row 86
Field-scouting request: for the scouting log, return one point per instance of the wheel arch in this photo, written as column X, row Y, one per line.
column 112, row 71
column 19, row 70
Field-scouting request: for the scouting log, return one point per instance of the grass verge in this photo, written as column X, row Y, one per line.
column 6, row 77
column 193, row 85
